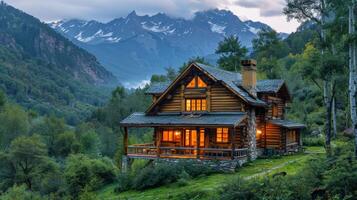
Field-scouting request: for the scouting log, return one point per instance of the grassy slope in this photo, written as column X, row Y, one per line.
column 259, row 168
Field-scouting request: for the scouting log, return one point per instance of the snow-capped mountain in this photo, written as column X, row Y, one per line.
column 135, row 47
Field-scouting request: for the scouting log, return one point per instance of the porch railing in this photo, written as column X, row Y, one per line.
column 187, row 152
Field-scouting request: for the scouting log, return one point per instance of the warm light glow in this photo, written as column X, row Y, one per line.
column 222, row 135
column 259, row 132
column 177, row 132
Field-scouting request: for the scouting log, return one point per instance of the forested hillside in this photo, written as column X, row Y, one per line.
column 43, row 71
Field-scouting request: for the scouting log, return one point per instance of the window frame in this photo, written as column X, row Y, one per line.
column 192, row 104
column 197, row 80
column 224, row 135
column 169, row 135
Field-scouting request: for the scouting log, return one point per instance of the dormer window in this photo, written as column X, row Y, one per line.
column 196, row 82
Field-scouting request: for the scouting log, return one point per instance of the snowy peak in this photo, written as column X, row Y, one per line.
column 214, row 23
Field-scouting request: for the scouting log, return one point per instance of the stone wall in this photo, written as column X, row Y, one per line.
column 217, row 165
column 251, row 134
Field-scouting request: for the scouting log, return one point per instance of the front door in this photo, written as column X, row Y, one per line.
column 190, row 138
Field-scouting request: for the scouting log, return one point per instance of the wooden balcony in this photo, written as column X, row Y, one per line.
column 149, row 151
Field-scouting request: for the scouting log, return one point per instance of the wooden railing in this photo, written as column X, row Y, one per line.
column 187, row 152
column 292, row 146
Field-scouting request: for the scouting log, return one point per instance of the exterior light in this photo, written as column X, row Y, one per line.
column 259, row 132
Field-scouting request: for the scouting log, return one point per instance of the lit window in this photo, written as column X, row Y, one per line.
column 190, row 137
column 222, row 135
column 202, row 137
column 196, row 104
column 192, row 84
column 200, row 83
column 171, row 135
column 196, row 82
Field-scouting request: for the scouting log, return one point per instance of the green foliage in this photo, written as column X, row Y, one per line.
column 14, row 123
column 231, row 52
column 83, row 172
column 20, row 193
column 66, row 143
column 313, row 141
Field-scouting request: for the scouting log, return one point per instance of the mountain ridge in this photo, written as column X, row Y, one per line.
column 42, row 70
column 135, row 47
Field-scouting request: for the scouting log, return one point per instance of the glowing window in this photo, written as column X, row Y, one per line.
column 222, row 135
column 196, row 104
column 170, row 135
column 190, row 137
column 192, row 84
column 202, row 137
column 200, row 83
column 274, row 110
column 196, row 82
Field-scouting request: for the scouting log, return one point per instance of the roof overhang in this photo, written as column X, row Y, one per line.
column 179, row 120
column 287, row 124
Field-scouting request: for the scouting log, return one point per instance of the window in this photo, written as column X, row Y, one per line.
column 196, row 82
column 196, row 104
column 222, row 135
column 191, row 137
column 274, row 110
column 171, row 135
column 202, row 137
column 291, row 137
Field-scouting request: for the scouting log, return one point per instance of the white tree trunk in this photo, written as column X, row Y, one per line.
column 352, row 73
column 334, row 117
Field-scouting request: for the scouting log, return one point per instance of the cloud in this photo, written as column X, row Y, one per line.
column 267, row 8
column 105, row 10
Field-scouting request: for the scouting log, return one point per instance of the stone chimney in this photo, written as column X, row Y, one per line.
column 249, row 75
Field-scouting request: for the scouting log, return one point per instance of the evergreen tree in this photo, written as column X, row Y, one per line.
column 231, row 53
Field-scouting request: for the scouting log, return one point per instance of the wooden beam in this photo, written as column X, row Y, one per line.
column 232, row 131
column 125, row 141
column 197, row 142
column 158, row 143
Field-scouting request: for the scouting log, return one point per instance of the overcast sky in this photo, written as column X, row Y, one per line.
column 267, row 11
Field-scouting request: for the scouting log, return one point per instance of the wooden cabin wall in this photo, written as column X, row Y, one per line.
column 223, row 100
column 219, row 99
column 273, row 136
column 274, row 100
column 172, row 103
column 260, row 121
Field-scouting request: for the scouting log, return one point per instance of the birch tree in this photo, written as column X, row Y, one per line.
column 352, row 71
column 316, row 11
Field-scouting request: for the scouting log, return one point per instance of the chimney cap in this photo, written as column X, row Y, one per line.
column 249, row 62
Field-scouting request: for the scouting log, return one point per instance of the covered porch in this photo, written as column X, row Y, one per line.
column 206, row 136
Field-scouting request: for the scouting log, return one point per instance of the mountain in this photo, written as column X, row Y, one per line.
column 42, row 70
column 135, row 47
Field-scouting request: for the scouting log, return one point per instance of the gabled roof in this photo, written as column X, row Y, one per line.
column 231, row 78
column 228, row 79
column 269, row 85
column 209, row 119
column 286, row 123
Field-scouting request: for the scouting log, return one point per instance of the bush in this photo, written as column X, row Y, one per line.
column 83, row 172
column 153, row 176
column 313, row 141
column 124, row 182
column 195, row 169
column 184, row 177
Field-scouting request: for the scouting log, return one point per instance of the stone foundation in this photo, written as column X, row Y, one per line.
column 218, row 165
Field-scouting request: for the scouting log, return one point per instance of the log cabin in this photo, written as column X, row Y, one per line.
column 208, row 113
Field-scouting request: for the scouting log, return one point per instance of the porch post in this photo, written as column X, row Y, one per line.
column 125, row 141
column 232, row 131
column 197, row 142
column 158, row 143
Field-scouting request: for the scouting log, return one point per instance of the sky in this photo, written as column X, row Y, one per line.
column 266, row 11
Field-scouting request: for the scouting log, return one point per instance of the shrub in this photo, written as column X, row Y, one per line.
column 313, row 141
column 195, row 169
column 153, row 176
column 124, row 182
column 83, row 172
column 184, row 177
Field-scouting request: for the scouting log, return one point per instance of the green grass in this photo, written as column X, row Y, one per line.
column 209, row 184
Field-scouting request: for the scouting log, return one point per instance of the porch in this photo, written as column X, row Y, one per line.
column 206, row 136
column 150, row 151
